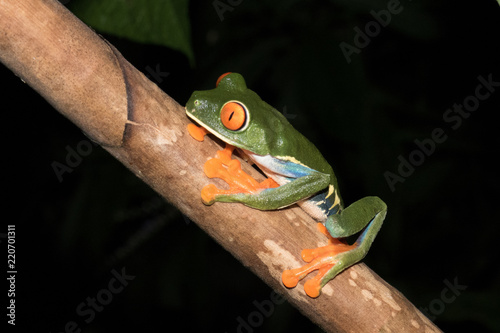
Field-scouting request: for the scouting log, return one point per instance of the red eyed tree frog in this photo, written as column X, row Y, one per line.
column 297, row 173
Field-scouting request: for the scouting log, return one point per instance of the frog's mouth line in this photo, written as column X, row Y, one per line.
column 211, row 130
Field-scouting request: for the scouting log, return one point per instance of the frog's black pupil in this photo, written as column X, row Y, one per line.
column 231, row 116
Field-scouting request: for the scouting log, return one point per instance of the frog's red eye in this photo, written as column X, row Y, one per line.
column 233, row 116
column 220, row 78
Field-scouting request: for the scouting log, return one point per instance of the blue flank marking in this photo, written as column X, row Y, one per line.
column 281, row 167
column 291, row 170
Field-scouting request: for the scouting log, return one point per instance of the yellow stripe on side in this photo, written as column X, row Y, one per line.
column 330, row 191
column 336, row 202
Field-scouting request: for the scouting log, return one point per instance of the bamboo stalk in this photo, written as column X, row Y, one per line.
column 87, row 80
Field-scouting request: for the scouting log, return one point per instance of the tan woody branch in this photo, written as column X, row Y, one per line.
column 87, row 80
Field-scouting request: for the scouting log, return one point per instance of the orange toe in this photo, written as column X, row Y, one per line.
column 208, row 194
column 198, row 133
column 213, row 168
column 312, row 287
column 225, row 154
column 289, row 278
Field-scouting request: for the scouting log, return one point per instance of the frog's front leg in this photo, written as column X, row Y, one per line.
column 368, row 213
column 230, row 171
column 299, row 182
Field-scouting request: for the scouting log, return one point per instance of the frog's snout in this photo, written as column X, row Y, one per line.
column 195, row 103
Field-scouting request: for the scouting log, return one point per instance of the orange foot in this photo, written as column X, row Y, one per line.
column 322, row 259
column 227, row 169
column 230, row 171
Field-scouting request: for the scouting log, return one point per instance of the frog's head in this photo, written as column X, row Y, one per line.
column 236, row 115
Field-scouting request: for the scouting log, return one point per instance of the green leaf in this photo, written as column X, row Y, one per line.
column 161, row 22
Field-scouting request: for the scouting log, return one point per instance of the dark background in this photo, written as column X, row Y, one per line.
column 442, row 225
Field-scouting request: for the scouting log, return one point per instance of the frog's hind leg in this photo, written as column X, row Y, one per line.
column 330, row 260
